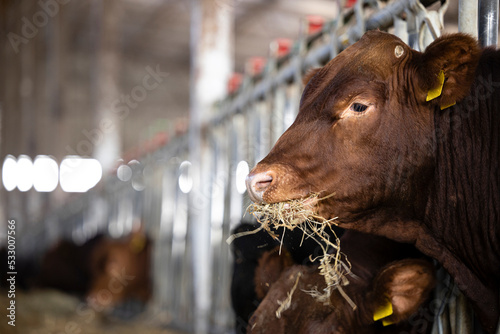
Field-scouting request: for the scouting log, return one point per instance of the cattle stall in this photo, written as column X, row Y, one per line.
column 156, row 188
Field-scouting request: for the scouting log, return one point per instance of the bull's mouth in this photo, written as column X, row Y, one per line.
column 279, row 192
column 279, row 184
column 291, row 212
column 302, row 213
column 278, row 204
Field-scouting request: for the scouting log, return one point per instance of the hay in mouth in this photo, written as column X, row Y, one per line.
column 299, row 213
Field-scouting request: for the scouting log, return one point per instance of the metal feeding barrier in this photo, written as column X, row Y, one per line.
column 155, row 189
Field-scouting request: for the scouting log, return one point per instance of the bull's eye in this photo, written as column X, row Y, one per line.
column 358, row 107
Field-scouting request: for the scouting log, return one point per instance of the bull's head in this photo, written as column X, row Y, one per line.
column 364, row 131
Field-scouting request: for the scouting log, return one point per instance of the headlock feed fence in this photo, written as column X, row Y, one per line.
column 241, row 132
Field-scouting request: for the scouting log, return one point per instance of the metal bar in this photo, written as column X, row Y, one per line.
column 488, row 22
column 211, row 66
column 321, row 54
column 384, row 18
column 467, row 17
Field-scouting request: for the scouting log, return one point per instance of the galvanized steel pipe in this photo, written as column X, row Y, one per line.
column 384, row 18
column 488, row 22
column 467, row 17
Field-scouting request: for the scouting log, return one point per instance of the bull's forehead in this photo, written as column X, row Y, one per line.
column 374, row 57
column 374, row 52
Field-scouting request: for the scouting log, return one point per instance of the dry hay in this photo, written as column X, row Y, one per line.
column 47, row 311
column 287, row 302
column 298, row 213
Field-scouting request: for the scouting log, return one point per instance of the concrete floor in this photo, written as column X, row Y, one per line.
column 52, row 312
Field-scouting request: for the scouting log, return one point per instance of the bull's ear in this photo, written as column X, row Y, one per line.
column 447, row 68
column 401, row 288
column 309, row 74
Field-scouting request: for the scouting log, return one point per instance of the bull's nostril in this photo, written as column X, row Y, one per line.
column 257, row 185
column 263, row 184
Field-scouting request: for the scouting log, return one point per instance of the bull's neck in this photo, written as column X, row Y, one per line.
column 463, row 211
column 464, row 205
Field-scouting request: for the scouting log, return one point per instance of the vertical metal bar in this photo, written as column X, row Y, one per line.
column 278, row 112
column 488, row 22
column 239, row 151
column 200, row 224
column 498, row 327
column 467, row 17
column 264, row 118
column 106, row 144
column 221, row 175
column 401, row 29
column 163, row 261
column 211, row 66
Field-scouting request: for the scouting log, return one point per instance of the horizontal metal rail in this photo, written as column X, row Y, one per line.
column 299, row 63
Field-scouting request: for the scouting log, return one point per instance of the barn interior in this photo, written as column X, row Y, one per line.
column 138, row 120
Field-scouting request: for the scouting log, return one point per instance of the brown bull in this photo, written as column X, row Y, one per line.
column 408, row 144
column 383, row 271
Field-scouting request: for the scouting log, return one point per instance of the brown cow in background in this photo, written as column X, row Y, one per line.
column 103, row 270
column 408, row 145
column 248, row 250
column 120, row 271
column 383, row 271
column 66, row 266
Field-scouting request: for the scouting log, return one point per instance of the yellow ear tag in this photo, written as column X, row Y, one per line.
column 386, row 322
column 383, row 311
column 436, row 92
column 450, row 105
column 137, row 244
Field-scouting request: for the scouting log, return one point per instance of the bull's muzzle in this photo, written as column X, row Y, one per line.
column 257, row 184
